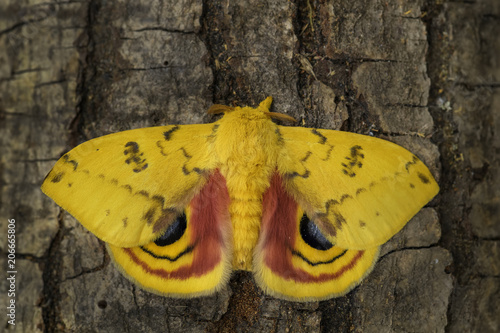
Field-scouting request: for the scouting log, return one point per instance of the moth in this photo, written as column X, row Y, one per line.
column 180, row 207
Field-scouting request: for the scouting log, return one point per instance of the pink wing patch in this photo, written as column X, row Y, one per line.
column 288, row 267
column 201, row 255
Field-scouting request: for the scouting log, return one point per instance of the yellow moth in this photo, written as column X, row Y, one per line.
column 182, row 206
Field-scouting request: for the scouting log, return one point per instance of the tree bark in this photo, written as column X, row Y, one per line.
column 424, row 74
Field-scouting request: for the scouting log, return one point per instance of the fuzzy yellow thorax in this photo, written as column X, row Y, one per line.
column 247, row 149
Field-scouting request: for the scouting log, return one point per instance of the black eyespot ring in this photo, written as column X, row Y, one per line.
column 312, row 235
column 174, row 232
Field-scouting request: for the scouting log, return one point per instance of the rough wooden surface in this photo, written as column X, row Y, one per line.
column 424, row 74
column 466, row 93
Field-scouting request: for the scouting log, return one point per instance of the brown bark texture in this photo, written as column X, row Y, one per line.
column 422, row 73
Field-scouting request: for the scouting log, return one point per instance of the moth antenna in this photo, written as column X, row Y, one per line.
column 219, row 108
column 280, row 116
column 266, row 104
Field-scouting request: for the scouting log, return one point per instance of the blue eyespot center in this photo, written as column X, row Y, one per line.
column 312, row 235
column 174, row 232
